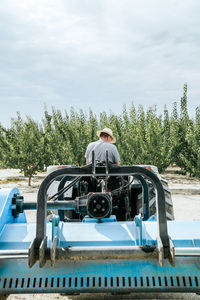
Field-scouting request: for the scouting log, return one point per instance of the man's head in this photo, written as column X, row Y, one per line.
column 106, row 135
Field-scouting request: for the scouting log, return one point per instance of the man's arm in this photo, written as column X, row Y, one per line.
column 87, row 152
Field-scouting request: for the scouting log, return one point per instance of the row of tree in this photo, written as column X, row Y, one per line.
column 142, row 138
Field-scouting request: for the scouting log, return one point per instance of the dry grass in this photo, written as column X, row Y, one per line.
column 11, row 180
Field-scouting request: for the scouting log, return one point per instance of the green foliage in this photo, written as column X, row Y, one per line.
column 142, row 138
column 185, row 135
column 22, row 146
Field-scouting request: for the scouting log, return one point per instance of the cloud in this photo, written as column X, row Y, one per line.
column 97, row 53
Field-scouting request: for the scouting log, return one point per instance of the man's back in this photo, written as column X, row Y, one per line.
column 100, row 147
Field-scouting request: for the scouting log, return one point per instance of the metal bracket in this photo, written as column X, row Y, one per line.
column 171, row 256
column 42, row 250
column 172, row 252
column 160, row 251
column 53, row 251
column 32, row 254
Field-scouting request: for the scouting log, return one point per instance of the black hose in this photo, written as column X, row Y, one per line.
column 65, row 189
column 122, row 187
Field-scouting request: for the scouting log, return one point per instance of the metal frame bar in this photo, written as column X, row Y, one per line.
column 104, row 252
column 101, row 171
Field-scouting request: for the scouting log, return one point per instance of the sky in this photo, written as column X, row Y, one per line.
column 98, row 54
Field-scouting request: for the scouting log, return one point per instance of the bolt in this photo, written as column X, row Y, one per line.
column 98, row 206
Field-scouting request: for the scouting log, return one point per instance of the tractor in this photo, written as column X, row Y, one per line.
column 100, row 228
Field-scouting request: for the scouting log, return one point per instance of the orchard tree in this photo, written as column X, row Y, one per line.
column 166, row 145
column 24, row 146
column 153, row 137
column 61, row 145
column 191, row 158
column 140, row 134
column 3, row 145
column 180, row 125
column 92, row 126
column 49, row 140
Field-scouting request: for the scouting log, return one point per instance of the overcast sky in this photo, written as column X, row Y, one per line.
column 97, row 53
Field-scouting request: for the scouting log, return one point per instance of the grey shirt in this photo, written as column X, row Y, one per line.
column 100, row 148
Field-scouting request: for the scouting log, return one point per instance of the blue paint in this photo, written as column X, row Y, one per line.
column 138, row 223
column 96, row 276
column 100, row 276
column 87, row 219
column 153, row 218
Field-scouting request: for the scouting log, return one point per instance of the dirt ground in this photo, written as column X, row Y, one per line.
column 186, row 200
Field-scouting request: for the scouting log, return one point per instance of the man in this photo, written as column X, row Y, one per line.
column 105, row 143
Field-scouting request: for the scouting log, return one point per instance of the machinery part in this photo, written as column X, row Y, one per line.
column 96, row 256
column 100, row 277
column 104, row 252
column 62, row 183
column 99, row 205
column 99, row 171
column 65, row 189
column 20, row 206
column 151, row 209
column 168, row 200
column 144, row 199
column 17, row 201
column 7, row 198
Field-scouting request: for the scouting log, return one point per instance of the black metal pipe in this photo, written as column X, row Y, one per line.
column 62, row 205
column 29, row 205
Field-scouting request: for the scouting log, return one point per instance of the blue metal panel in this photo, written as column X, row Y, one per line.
column 20, row 236
column 17, row 236
column 6, row 217
column 100, row 234
column 182, row 233
column 100, row 276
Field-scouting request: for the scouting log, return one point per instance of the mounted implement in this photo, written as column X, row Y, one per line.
column 100, row 236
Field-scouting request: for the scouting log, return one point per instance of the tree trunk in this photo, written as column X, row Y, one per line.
column 29, row 179
column 30, row 174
